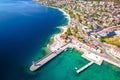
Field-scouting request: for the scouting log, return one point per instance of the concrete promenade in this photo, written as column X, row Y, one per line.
column 93, row 57
column 41, row 62
column 84, row 67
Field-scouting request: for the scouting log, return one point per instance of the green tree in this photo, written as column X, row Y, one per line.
column 68, row 32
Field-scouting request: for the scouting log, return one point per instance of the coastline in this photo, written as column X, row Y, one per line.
column 64, row 13
column 67, row 15
column 62, row 28
column 57, row 41
column 30, row 45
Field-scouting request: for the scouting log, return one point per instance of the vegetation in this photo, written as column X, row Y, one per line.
column 102, row 39
column 101, row 51
column 96, row 15
column 115, row 40
column 86, row 23
column 79, row 18
column 68, row 32
column 72, row 15
column 83, row 31
column 83, row 41
column 100, row 22
column 75, row 30
column 117, row 1
column 51, row 41
column 91, row 27
column 105, row 26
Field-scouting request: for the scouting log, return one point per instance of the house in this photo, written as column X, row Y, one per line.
column 109, row 32
column 106, row 33
column 115, row 51
column 92, row 47
column 89, row 33
column 117, row 32
column 97, row 28
column 63, row 36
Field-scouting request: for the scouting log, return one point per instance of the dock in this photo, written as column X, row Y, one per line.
column 43, row 61
column 84, row 67
column 93, row 57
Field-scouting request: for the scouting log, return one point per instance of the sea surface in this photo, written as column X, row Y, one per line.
column 25, row 30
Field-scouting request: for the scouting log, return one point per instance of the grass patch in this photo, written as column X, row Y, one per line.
column 51, row 40
column 115, row 40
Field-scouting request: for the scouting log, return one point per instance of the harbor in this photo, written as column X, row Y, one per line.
column 84, row 67
column 41, row 62
column 89, row 56
column 64, row 65
column 92, row 58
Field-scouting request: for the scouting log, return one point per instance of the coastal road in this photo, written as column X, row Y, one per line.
column 106, row 57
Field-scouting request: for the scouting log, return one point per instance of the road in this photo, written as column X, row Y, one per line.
column 105, row 54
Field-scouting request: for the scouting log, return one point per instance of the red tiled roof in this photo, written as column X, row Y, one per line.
column 63, row 36
column 117, row 49
column 108, row 30
column 91, row 45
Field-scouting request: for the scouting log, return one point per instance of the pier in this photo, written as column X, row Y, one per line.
column 84, row 67
column 93, row 57
column 41, row 62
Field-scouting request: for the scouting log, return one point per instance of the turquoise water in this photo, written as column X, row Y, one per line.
column 25, row 30
column 63, row 68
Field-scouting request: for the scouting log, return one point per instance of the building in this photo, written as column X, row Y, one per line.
column 115, row 51
column 92, row 47
column 63, row 36
column 117, row 32
column 106, row 33
column 97, row 28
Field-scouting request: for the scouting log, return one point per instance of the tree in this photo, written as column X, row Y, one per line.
column 102, row 39
column 68, row 32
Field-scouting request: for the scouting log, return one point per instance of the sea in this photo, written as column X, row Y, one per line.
column 26, row 28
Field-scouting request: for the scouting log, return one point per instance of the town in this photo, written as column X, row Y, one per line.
column 93, row 28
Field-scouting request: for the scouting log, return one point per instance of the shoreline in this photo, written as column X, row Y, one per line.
column 62, row 28
column 64, row 13
column 57, row 41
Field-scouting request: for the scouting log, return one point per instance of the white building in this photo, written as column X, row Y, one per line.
column 118, row 32
column 115, row 51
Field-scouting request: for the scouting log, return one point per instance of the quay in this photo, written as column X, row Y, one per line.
column 41, row 62
column 93, row 57
column 84, row 67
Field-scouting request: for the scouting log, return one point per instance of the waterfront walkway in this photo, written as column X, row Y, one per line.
column 84, row 67
column 41, row 62
column 93, row 57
